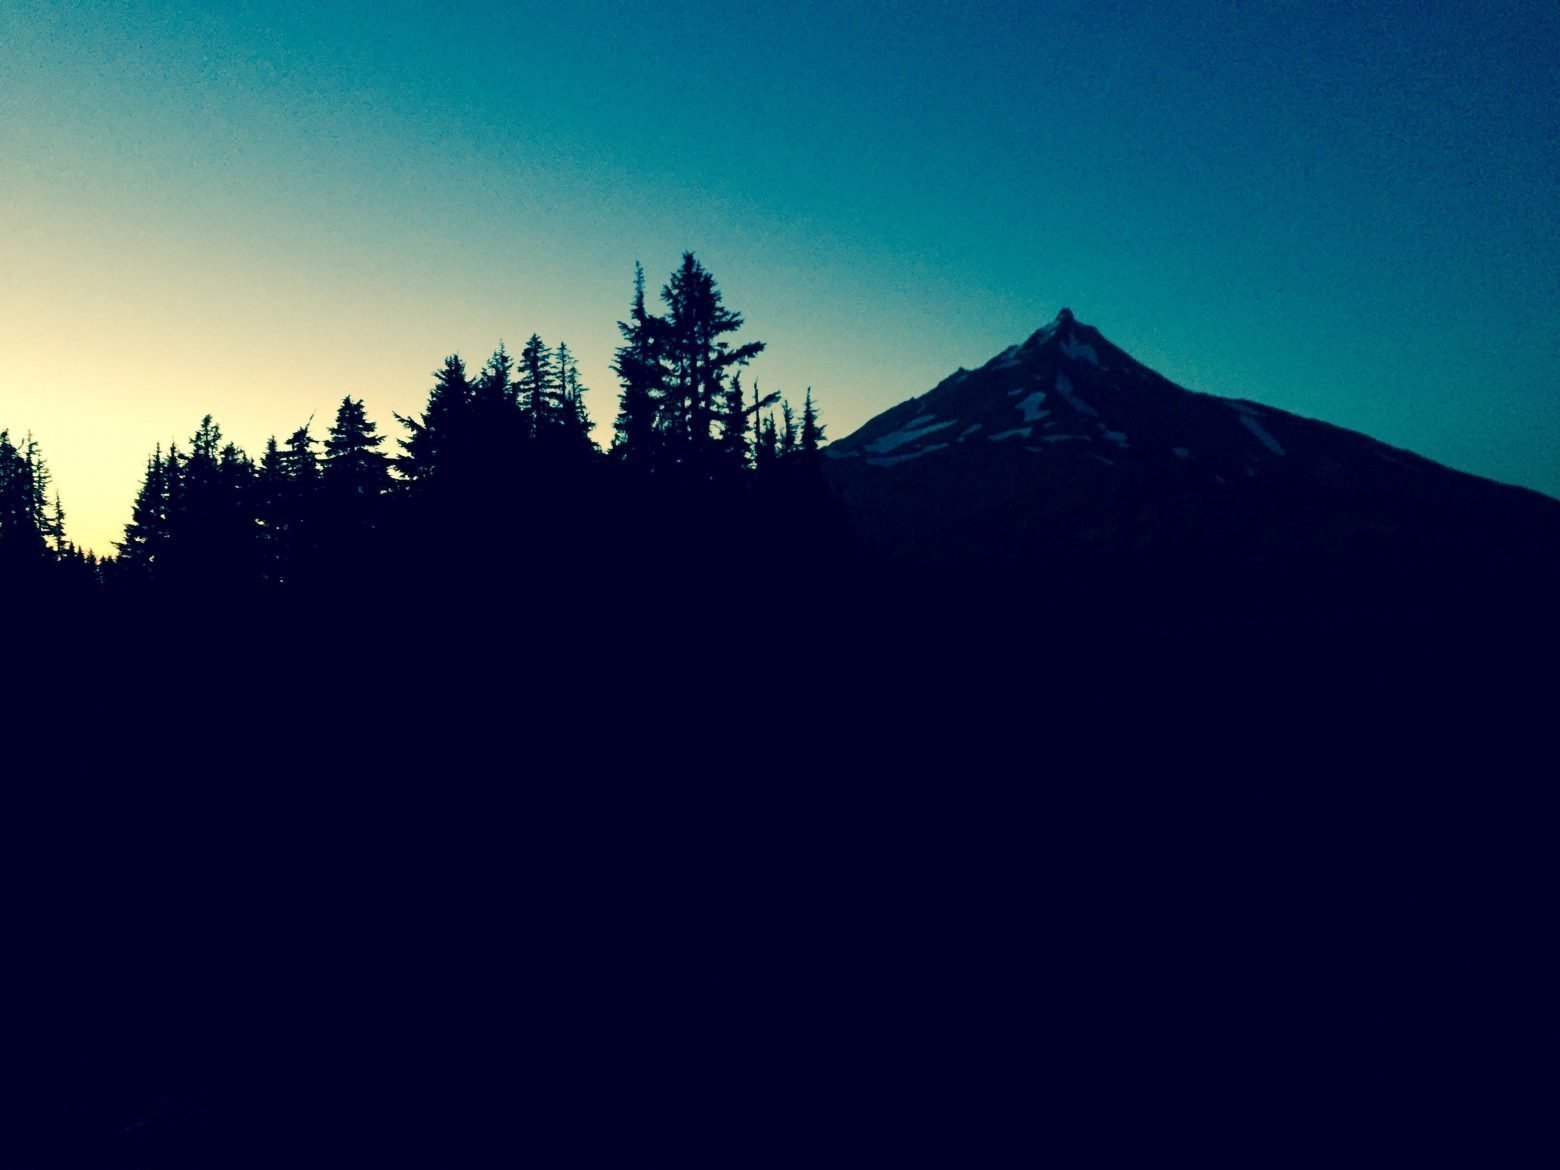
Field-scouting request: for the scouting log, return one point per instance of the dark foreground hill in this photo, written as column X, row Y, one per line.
column 1194, row 800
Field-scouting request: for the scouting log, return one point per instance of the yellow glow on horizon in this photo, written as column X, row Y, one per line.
column 115, row 344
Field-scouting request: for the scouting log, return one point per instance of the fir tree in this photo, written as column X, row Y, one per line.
column 193, row 518
column 812, row 430
column 734, row 450
column 38, row 479
column 62, row 548
column 438, row 441
column 354, row 485
column 787, row 430
column 537, row 388
column 495, row 385
column 500, row 428
column 766, row 451
column 642, row 375
column 146, row 536
column 355, row 468
column 23, row 523
column 300, row 462
column 699, row 359
column 271, row 486
column 574, row 423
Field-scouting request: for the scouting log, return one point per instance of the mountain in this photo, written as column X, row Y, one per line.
column 1064, row 446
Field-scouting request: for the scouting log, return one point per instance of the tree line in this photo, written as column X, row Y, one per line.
column 500, row 467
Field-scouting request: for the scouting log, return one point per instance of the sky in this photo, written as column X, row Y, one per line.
column 1349, row 211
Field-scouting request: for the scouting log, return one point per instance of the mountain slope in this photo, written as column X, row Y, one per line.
column 1066, row 444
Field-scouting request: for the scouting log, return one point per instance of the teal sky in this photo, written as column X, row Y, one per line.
column 251, row 209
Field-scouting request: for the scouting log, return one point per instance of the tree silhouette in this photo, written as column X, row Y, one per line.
column 788, row 442
column 642, row 375
column 497, row 475
column 574, row 425
column 766, row 448
column 355, row 468
column 354, row 483
column 288, row 486
column 537, row 391
column 812, row 430
column 147, row 535
column 24, row 527
column 62, row 547
column 438, row 440
column 699, row 359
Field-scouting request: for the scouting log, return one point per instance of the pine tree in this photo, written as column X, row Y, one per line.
column 787, row 430
column 23, row 524
column 767, row 450
column 302, row 465
column 739, row 453
column 288, row 490
column 699, row 359
column 574, row 423
column 439, row 441
column 355, row 469
column 495, row 385
column 642, row 374
column 174, row 489
column 734, row 451
column 63, row 549
column 537, row 388
column 148, row 535
column 237, row 516
column 500, row 428
column 812, row 430
column 194, row 519
column 354, row 487
column 38, row 479
column 271, row 487
column 211, row 513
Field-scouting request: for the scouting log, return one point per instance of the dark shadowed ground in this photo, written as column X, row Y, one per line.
column 922, row 861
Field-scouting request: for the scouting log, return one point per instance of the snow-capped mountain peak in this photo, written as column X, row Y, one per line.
column 1066, row 424
column 1042, row 392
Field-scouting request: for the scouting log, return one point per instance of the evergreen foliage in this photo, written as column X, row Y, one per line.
column 438, row 440
column 699, row 358
column 812, row 431
column 498, row 477
column 25, row 521
column 639, row 369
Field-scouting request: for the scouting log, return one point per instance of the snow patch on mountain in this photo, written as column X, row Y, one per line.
column 913, row 431
column 1031, row 407
column 968, row 431
column 1042, row 335
column 1065, row 389
column 1015, row 433
column 894, row 460
column 1074, row 349
column 1248, row 416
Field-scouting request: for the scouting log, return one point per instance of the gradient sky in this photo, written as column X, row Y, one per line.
column 1351, row 211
